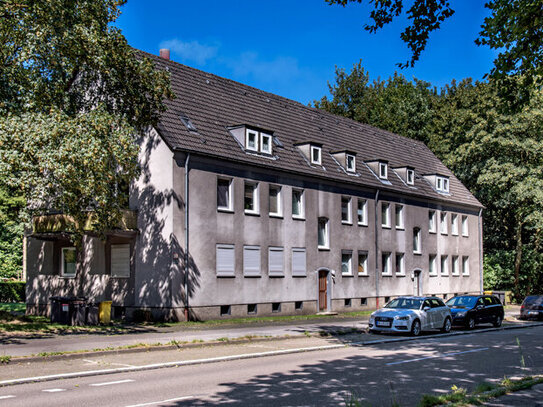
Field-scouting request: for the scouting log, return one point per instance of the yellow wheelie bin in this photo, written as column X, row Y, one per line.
column 104, row 312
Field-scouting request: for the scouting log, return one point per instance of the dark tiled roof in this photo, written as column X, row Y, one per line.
column 214, row 104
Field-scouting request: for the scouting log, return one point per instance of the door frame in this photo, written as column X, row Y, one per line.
column 328, row 289
column 417, row 278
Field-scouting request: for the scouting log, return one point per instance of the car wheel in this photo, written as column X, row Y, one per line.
column 498, row 321
column 471, row 323
column 415, row 328
column 447, row 325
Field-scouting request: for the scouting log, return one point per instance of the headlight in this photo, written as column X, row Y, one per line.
column 461, row 314
column 401, row 318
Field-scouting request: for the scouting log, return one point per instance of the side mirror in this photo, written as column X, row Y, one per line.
column 426, row 308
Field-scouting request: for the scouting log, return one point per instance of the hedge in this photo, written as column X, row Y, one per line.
column 12, row 291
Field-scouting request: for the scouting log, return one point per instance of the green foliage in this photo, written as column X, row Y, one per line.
column 12, row 291
column 11, row 233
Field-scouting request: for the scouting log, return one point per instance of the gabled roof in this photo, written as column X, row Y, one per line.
column 215, row 104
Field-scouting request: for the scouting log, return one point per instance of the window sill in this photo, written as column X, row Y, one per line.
column 444, row 233
column 454, row 234
column 386, row 226
column 225, row 210
column 432, row 275
column 401, row 275
column 121, row 277
column 296, row 217
column 465, row 235
column 276, row 275
column 226, row 275
column 345, row 222
column 387, row 275
column 252, row 213
column 252, row 276
column 417, row 253
column 363, row 224
column 433, row 232
column 299, row 275
column 67, row 277
column 455, row 275
column 400, row 228
column 363, row 275
column 276, row 215
column 445, row 275
column 323, row 248
column 465, row 275
column 347, row 275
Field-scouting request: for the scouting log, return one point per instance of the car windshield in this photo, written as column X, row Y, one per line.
column 462, row 302
column 534, row 299
column 406, row 303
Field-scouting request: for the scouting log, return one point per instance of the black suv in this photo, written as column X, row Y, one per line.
column 532, row 307
column 469, row 310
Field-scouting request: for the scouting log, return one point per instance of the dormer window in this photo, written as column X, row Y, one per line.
column 442, row 184
column 265, row 143
column 350, row 163
column 251, row 140
column 383, row 170
column 410, row 177
column 316, row 155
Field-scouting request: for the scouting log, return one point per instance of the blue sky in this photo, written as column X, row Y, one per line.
column 291, row 47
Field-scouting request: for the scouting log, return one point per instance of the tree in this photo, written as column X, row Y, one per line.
column 74, row 97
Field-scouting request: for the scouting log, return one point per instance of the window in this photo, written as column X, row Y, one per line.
column 362, row 212
column 363, row 301
column 225, row 260
column 251, row 141
column 465, row 265
column 323, row 233
column 465, row 228
column 276, row 262
column 417, row 244
column 346, row 263
column 251, row 261
column 298, row 265
column 68, row 262
column 225, row 310
column 399, row 216
column 432, row 222
column 120, row 260
column 347, row 302
column 410, row 177
column 351, row 163
column 265, row 143
column 298, row 305
column 442, row 184
column 251, row 198
column 455, row 269
column 224, row 194
column 454, row 224
column 275, row 201
column 362, row 263
column 385, row 263
column 432, row 270
column 400, row 267
column 252, row 308
column 298, row 203
column 315, row 155
column 443, row 223
column 383, row 171
column 346, row 210
column 444, row 265
column 276, row 307
column 385, row 215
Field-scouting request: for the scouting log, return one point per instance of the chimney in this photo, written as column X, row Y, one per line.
column 164, row 53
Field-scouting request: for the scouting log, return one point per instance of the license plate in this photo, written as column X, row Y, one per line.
column 383, row 323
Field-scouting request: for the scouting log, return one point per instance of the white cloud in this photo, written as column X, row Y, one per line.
column 279, row 69
column 191, row 50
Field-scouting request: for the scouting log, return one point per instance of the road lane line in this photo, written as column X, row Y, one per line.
column 53, row 390
column 152, row 403
column 6, row 397
column 442, row 355
column 110, row 383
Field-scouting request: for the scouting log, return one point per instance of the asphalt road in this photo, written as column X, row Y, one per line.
column 378, row 374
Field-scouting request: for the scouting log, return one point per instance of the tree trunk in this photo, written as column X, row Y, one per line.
column 518, row 260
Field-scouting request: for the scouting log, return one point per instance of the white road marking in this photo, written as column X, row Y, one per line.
column 110, row 383
column 6, row 397
column 442, row 355
column 151, row 403
column 53, row 390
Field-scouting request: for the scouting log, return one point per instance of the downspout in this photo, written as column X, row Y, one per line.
column 376, row 252
column 480, row 232
column 186, row 279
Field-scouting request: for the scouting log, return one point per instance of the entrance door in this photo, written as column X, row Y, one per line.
column 323, row 289
column 417, row 288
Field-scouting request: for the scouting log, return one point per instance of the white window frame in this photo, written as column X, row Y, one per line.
column 455, row 266
column 349, row 263
column 444, row 270
column 465, row 226
column 279, row 212
column 443, row 227
column 417, row 241
column 385, row 220
column 442, row 184
column 270, row 140
column 62, row 256
column 349, row 220
column 295, row 271
column 228, row 208
column 319, row 150
column 454, row 224
column 255, row 134
column 350, row 166
column 113, row 248
column 326, row 244
column 362, row 210
column 432, row 221
column 432, row 265
column 365, row 264
column 301, row 215
column 230, row 271
column 272, row 270
column 465, row 265
column 399, row 225
column 247, row 271
column 387, row 264
column 383, row 170
column 401, row 256
column 256, row 208
column 410, row 177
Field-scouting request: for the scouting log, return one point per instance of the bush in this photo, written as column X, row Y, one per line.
column 12, row 291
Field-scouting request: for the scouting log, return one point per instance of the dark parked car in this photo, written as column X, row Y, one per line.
column 469, row 310
column 532, row 307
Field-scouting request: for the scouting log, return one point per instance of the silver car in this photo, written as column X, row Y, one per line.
column 412, row 314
